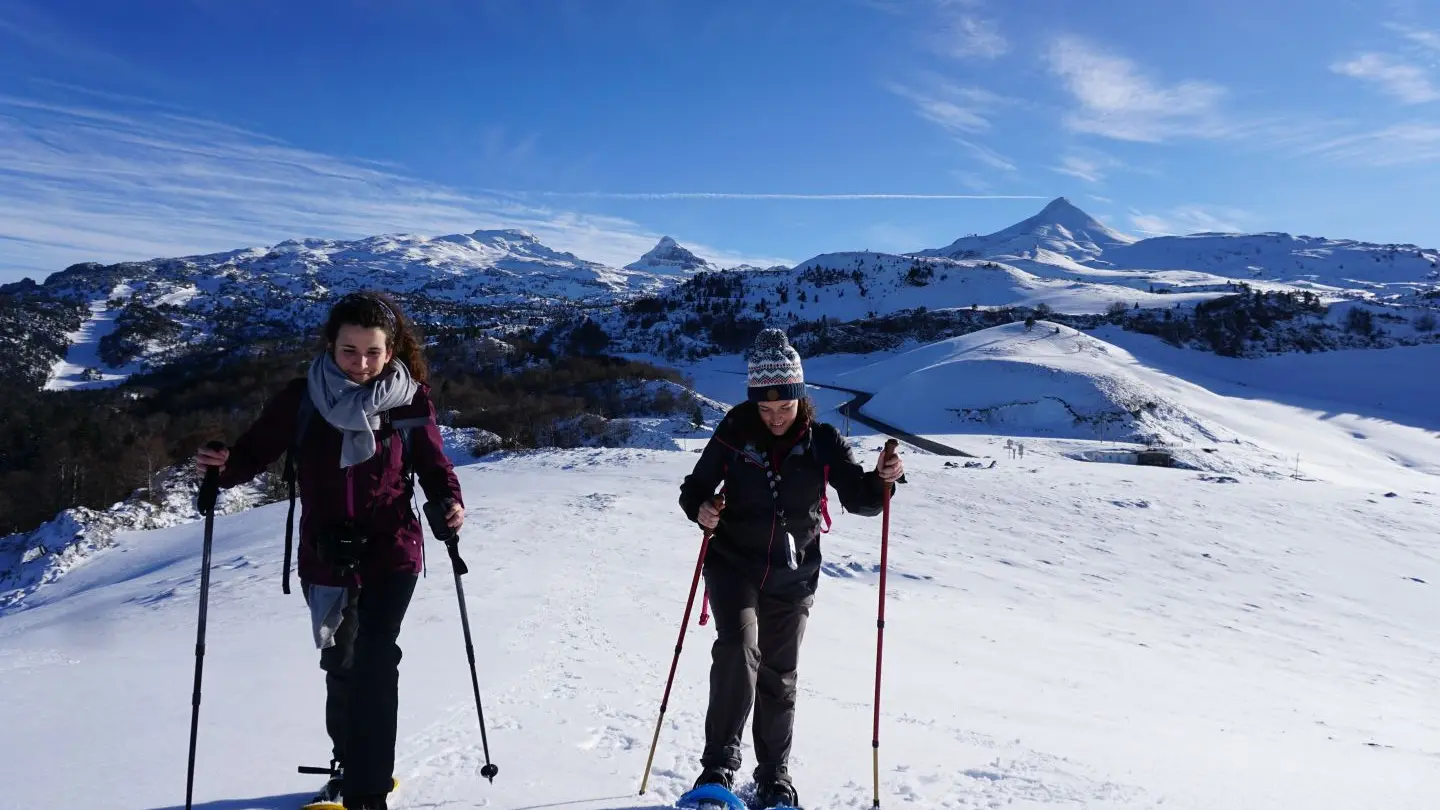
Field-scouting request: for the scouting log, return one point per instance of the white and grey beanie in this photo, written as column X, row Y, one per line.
column 773, row 369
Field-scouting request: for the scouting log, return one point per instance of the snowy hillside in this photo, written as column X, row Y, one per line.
column 1112, row 390
column 1045, row 380
column 1059, row 634
column 503, row 265
column 1305, row 262
column 145, row 314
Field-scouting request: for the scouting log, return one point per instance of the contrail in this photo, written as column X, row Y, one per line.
column 725, row 195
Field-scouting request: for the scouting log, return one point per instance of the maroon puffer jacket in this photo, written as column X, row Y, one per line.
column 371, row 494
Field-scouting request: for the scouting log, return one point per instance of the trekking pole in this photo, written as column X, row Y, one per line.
column 679, row 644
column 205, row 503
column 890, row 446
column 435, row 513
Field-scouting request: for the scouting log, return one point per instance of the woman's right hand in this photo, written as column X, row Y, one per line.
column 709, row 516
column 207, row 457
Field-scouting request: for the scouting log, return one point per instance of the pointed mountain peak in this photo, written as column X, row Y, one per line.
column 1060, row 211
column 1062, row 207
column 669, row 256
column 1059, row 227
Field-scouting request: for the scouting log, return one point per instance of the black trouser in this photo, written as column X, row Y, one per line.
column 753, row 662
column 362, row 683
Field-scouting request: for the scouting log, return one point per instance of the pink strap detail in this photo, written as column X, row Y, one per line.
column 825, row 500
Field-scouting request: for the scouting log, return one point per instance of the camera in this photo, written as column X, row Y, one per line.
column 341, row 545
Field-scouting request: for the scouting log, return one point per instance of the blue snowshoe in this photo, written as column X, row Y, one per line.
column 713, row 796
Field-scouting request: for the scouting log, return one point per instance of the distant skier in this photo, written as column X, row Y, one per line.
column 763, row 564
column 360, row 542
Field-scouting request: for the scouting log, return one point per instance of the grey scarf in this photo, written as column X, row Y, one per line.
column 355, row 409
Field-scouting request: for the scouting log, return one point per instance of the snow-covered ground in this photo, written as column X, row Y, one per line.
column 1059, row 633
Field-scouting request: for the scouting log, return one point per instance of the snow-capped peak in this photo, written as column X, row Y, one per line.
column 1059, row 227
column 668, row 256
column 504, row 235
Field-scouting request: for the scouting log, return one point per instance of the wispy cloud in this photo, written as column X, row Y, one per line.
column 957, row 108
column 1099, row 199
column 1398, row 145
column 962, row 111
column 1118, row 100
column 1188, row 219
column 1088, row 165
column 1409, row 83
column 729, row 195
column 82, row 182
column 1421, row 36
column 957, row 29
column 968, row 36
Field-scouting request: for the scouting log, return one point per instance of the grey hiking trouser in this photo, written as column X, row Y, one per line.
column 753, row 662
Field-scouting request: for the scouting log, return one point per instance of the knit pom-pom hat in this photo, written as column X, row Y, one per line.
column 773, row 370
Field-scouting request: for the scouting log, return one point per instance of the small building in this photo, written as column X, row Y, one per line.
column 1154, row 457
column 1148, row 457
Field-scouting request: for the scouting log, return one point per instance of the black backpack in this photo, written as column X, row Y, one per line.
column 302, row 421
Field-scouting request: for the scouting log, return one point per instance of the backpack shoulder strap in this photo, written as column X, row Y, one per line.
column 824, row 463
column 302, row 421
column 405, row 428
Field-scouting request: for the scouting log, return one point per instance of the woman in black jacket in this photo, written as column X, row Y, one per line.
column 763, row 562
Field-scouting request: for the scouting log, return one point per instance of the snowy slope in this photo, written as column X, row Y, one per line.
column 1059, row 634
column 1047, row 381
column 1300, row 261
column 502, row 279
column 1069, row 391
column 505, row 263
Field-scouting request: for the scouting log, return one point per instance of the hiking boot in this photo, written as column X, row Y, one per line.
column 774, row 788
column 331, row 792
column 714, row 775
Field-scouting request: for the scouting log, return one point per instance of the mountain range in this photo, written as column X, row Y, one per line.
column 1060, row 260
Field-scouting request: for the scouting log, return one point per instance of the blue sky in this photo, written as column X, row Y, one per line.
column 750, row 130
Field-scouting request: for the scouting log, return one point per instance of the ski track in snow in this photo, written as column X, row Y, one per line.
column 84, row 350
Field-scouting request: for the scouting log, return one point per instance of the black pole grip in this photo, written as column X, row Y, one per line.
column 210, row 487
column 435, row 512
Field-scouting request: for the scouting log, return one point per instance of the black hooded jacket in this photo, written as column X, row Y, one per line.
column 775, row 538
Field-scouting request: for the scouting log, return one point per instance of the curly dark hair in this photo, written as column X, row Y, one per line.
column 372, row 309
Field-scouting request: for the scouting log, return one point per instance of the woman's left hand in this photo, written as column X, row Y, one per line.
column 455, row 518
column 890, row 467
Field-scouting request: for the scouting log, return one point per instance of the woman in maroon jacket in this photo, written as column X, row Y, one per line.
column 361, row 545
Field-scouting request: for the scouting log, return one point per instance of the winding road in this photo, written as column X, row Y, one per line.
column 852, row 410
